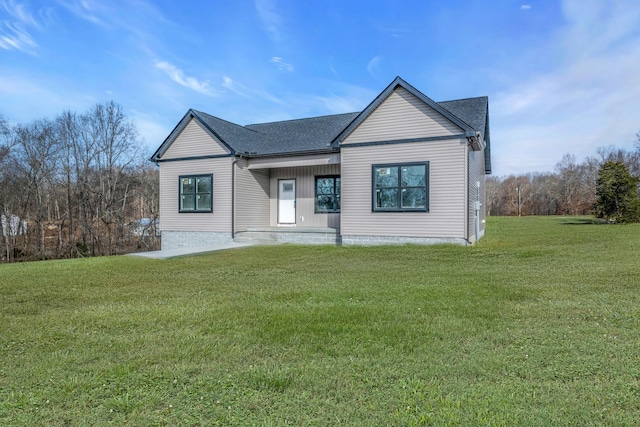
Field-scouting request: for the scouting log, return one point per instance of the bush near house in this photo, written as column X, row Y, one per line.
column 526, row 328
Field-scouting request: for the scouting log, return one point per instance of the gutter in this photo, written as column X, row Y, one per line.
column 248, row 155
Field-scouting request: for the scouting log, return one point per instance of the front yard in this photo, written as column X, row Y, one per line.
column 539, row 324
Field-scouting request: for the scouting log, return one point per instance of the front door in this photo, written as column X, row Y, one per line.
column 286, row 201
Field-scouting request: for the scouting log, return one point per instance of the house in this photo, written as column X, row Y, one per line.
column 406, row 169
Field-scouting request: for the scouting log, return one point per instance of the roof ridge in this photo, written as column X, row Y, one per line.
column 464, row 99
column 302, row 118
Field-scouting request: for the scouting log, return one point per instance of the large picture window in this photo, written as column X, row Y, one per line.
column 401, row 187
column 327, row 194
column 196, row 193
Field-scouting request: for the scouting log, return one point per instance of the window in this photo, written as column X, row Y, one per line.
column 327, row 194
column 401, row 187
column 196, row 193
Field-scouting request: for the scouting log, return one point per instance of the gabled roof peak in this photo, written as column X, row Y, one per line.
column 399, row 82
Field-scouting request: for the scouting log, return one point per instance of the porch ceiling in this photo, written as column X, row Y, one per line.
column 294, row 161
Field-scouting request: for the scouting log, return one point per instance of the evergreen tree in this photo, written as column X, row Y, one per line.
column 617, row 193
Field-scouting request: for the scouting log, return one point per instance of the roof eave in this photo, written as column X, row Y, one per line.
column 289, row 153
column 191, row 114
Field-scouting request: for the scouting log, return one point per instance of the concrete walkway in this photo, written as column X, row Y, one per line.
column 189, row 251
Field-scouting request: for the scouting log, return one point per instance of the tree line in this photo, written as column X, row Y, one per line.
column 80, row 185
column 76, row 185
column 570, row 189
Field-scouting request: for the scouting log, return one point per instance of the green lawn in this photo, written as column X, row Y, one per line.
column 539, row 324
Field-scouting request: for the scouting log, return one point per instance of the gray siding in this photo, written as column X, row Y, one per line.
column 219, row 219
column 305, row 195
column 447, row 190
column 194, row 141
column 476, row 173
column 402, row 116
column 252, row 197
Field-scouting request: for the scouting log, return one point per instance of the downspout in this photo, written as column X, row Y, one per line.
column 233, row 196
column 466, row 193
column 477, row 221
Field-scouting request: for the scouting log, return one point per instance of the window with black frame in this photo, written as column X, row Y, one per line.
column 401, row 187
column 196, row 193
column 327, row 194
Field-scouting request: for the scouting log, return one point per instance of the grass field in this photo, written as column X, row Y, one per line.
column 539, row 324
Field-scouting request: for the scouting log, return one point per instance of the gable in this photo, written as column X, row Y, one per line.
column 194, row 141
column 402, row 116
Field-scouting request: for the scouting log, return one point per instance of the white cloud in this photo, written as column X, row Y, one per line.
column 151, row 128
column 88, row 10
column 336, row 104
column 281, row 64
column 14, row 32
column 178, row 76
column 397, row 31
column 270, row 18
column 140, row 18
column 344, row 98
column 525, row 7
column 228, row 83
column 373, row 67
column 589, row 100
column 247, row 92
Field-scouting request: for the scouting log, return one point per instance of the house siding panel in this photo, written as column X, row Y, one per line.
column 476, row 174
column 252, row 197
column 446, row 217
column 402, row 116
column 194, row 141
column 305, row 195
column 220, row 219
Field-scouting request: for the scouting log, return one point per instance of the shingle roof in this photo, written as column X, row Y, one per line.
column 316, row 134
column 240, row 138
column 471, row 110
column 474, row 111
column 301, row 135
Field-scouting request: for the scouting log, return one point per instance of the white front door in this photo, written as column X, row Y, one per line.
column 286, row 201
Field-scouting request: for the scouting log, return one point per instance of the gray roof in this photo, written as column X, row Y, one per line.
column 474, row 111
column 471, row 110
column 239, row 138
column 302, row 135
column 323, row 134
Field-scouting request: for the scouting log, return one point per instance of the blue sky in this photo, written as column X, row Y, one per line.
column 561, row 76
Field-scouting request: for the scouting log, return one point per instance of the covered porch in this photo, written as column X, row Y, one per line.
column 292, row 199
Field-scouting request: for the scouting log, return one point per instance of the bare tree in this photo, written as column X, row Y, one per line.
column 79, row 183
column 37, row 153
column 492, row 195
column 117, row 151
